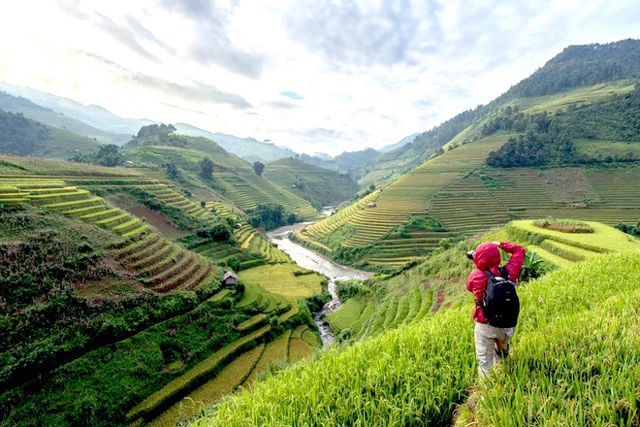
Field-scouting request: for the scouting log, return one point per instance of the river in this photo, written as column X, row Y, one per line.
column 311, row 260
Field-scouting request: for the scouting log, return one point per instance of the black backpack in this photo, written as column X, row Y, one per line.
column 501, row 304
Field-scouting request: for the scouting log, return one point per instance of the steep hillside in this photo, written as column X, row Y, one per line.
column 249, row 149
column 22, row 136
column 321, row 187
column 576, row 67
column 18, row 104
column 226, row 174
column 92, row 115
column 588, row 133
column 109, row 319
column 579, row 66
column 423, row 370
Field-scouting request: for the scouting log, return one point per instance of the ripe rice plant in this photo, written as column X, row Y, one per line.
column 576, row 359
column 409, row 376
column 574, row 362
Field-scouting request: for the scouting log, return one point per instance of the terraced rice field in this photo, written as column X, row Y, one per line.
column 368, row 319
column 564, row 249
column 242, row 372
column 472, row 205
column 156, row 263
column 237, row 364
column 412, row 193
column 467, row 199
column 247, row 191
column 252, row 241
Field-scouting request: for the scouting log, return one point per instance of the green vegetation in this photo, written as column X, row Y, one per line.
column 586, row 378
column 629, row 229
column 108, row 155
column 269, row 217
column 549, row 139
column 88, row 285
column 399, row 377
column 320, row 186
column 19, row 135
column 285, row 280
column 579, row 66
column 110, row 277
column 564, row 225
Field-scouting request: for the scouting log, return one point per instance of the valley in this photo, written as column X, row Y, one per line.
column 175, row 279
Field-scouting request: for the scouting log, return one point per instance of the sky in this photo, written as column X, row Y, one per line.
column 312, row 75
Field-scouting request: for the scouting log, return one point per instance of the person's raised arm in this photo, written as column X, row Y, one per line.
column 514, row 266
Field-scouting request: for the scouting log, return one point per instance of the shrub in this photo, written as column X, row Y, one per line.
column 564, row 225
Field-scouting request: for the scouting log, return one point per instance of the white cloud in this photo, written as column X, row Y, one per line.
column 364, row 73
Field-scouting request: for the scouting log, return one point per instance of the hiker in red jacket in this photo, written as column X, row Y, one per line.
column 492, row 343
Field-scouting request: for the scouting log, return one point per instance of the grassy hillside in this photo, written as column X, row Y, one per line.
column 18, row 104
column 455, row 194
column 321, row 187
column 248, row 149
column 22, row 136
column 439, row 280
column 421, row 373
column 231, row 176
column 111, row 320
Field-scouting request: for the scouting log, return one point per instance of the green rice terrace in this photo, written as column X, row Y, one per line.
column 115, row 307
column 406, row 219
column 414, row 363
column 232, row 177
column 408, row 297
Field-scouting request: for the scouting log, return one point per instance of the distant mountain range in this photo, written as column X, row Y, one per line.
column 92, row 115
column 105, row 127
column 249, row 149
column 19, row 104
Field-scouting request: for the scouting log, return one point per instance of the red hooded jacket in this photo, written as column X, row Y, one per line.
column 487, row 257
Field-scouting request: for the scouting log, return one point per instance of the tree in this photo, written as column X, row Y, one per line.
column 206, row 168
column 172, row 170
column 109, row 155
column 258, row 167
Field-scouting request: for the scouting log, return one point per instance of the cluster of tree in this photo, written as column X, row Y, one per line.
column 629, row 229
column 616, row 118
column 258, row 168
column 172, row 171
column 107, row 155
column 548, row 139
column 270, row 216
column 156, row 130
column 511, row 119
column 19, row 136
column 534, row 149
column 206, row 168
column 157, row 135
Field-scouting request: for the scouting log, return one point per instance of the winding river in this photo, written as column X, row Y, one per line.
column 310, row 260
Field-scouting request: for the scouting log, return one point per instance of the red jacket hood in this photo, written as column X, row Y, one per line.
column 487, row 255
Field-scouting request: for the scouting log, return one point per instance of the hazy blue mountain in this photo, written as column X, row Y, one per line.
column 92, row 115
column 18, row 104
column 402, row 142
column 249, row 149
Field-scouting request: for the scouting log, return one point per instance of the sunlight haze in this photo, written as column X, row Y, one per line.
column 314, row 76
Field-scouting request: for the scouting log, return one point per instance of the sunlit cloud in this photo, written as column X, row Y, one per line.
column 313, row 76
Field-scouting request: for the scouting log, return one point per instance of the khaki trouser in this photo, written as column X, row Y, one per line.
column 492, row 344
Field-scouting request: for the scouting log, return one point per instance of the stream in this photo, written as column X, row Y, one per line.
column 311, row 260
